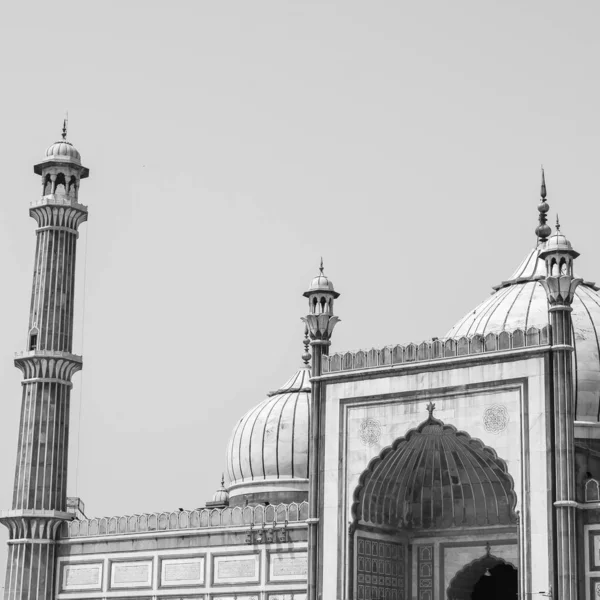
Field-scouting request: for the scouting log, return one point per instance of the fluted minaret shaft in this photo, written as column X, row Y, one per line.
column 560, row 285
column 40, row 487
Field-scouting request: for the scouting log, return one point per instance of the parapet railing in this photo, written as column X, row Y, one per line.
column 187, row 519
column 436, row 349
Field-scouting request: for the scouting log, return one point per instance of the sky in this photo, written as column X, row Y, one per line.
column 231, row 144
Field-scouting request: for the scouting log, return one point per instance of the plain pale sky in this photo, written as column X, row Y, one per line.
column 231, row 144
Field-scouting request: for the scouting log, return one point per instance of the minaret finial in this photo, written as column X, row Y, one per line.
column 321, row 267
column 557, row 224
column 430, row 409
column 223, row 480
column 543, row 229
column 543, row 190
column 65, row 123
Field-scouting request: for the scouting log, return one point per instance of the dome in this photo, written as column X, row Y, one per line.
column 267, row 455
column 435, row 477
column 558, row 242
column 321, row 283
column 221, row 496
column 63, row 150
column 521, row 302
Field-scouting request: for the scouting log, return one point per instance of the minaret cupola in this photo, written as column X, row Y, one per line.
column 320, row 320
column 61, row 170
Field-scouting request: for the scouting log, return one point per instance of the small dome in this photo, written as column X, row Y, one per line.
column 320, row 283
column 63, row 150
column 521, row 302
column 558, row 242
column 221, row 496
column 267, row 455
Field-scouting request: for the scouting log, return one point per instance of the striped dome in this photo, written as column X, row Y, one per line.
column 520, row 302
column 63, row 150
column 267, row 455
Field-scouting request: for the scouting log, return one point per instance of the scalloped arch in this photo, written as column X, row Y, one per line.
column 466, row 578
column 435, row 477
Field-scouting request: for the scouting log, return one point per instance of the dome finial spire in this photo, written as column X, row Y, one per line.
column 321, row 266
column 430, row 409
column 222, row 480
column 557, row 223
column 543, row 229
column 65, row 123
column 543, row 190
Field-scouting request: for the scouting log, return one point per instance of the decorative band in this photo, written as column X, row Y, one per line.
column 563, row 347
column 30, row 541
column 46, row 380
column 58, row 228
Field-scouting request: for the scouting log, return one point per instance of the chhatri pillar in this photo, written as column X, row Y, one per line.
column 320, row 322
column 40, row 490
column 560, row 285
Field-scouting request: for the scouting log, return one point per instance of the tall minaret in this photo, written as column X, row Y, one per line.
column 560, row 285
column 320, row 322
column 40, row 491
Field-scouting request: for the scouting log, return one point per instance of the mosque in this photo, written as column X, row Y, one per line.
column 462, row 467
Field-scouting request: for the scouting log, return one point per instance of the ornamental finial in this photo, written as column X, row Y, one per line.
column 543, row 229
column 223, row 480
column 430, row 409
column 543, row 190
column 557, row 224
column 307, row 355
column 64, row 130
column 488, row 549
column 321, row 267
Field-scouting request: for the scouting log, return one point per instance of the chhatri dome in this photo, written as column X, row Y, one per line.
column 63, row 150
column 520, row 302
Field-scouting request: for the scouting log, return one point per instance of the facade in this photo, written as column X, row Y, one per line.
column 463, row 467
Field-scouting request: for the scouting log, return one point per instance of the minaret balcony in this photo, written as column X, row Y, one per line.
column 48, row 365
column 57, row 200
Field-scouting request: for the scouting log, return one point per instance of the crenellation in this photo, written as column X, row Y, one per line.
column 181, row 520
column 435, row 350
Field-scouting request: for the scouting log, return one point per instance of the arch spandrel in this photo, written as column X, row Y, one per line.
column 435, row 477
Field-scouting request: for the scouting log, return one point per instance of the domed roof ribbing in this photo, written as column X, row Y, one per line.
column 435, row 477
column 268, row 450
column 63, row 150
column 321, row 283
column 521, row 302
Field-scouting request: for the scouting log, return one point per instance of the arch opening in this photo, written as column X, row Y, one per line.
column 433, row 480
column 488, row 578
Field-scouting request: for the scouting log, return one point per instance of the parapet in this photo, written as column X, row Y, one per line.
column 436, row 349
column 187, row 519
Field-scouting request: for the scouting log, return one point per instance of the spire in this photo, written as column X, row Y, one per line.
column 557, row 224
column 222, row 480
column 321, row 267
column 64, row 131
column 543, row 229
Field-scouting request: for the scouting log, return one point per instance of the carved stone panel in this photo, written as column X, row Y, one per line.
column 131, row 574
column 288, row 566
column 182, row 571
column 240, row 568
column 81, row 577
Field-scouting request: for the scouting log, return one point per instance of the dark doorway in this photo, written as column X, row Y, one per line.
column 498, row 583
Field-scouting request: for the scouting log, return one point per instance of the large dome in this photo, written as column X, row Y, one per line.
column 520, row 302
column 267, row 455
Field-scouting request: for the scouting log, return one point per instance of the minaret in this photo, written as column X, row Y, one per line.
column 560, row 285
column 320, row 322
column 40, row 491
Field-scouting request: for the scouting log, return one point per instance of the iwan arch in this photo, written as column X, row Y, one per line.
column 460, row 468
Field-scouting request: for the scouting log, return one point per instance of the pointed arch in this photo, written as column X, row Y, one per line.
column 462, row 584
column 435, row 477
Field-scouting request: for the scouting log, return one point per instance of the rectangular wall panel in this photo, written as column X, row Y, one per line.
column 81, row 577
column 379, row 569
column 425, row 572
column 288, row 566
column 236, row 569
column 131, row 574
column 182, row 571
